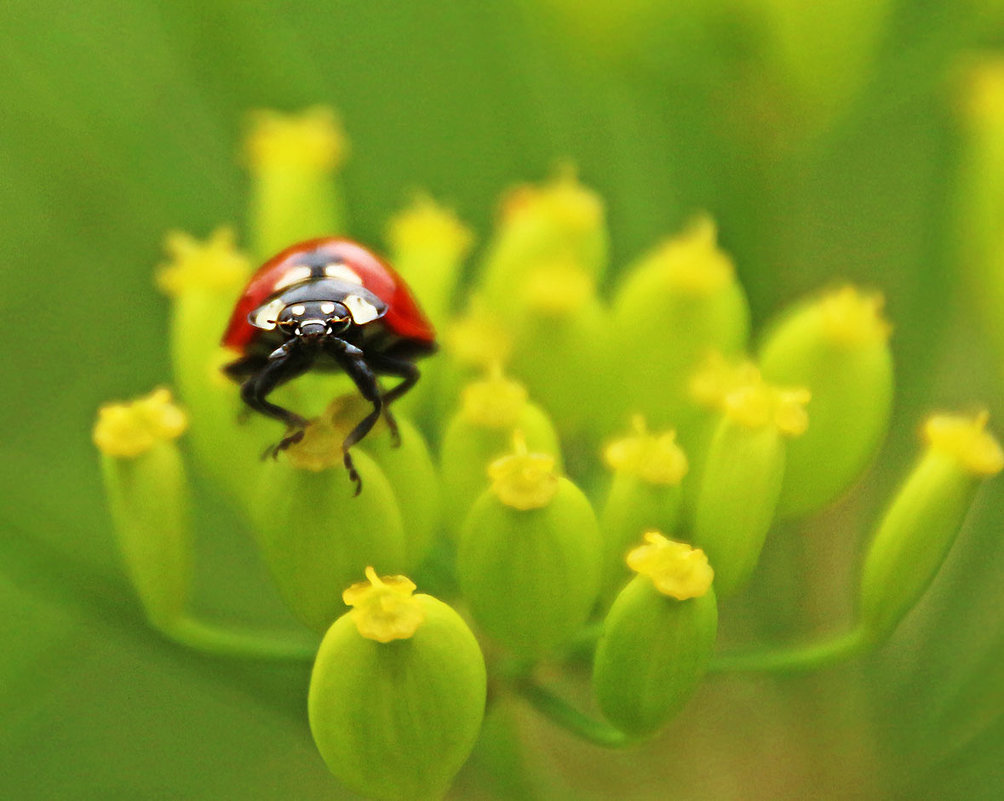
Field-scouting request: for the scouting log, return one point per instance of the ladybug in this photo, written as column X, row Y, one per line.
column 327, row 304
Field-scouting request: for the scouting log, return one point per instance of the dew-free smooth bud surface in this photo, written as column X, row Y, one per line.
column 529, row 559
column 837, row 347
column 655, row 647
column 396, row 720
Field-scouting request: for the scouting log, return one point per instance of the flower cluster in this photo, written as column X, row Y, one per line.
column 590, row 462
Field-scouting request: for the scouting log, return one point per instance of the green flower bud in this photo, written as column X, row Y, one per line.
column 674, row 306
column 428, row 247
column 645, row 494
column 315, row 534
column 293, row 159
column 412, row 474
column 203, row 280
column 710, row 387
column 558, row 333
column 397, row 695
column 657, row 638
column 473, row 344
column 838, row 348
column 147, row 494
column 921, row 523
column 741, row 478
column 980, row 193
column 529, row 556
column 491, row 411
column 561, row 221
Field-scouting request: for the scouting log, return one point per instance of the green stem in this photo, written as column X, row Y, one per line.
column 238, row 643
column 792, row 659
column 568, row 717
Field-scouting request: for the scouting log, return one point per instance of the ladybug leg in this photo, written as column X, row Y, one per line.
column 383, row 363
column 277, row 371
column 239, row 371
column 353, row 362
column 243, row 367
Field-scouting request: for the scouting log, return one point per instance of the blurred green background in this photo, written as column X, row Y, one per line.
column 825, row 144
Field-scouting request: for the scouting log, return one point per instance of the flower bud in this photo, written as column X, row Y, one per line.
column 657, row 638
column 529, row 555
column 491, row 411
column 645, row 493
column 428, row 245
column 147, row 493
column 741, row 477
column 920, row 525
column 979, row 201
column 412, row 474
column 314, row 532
column 674, row 306
column 202, row 280
column 558, row 221
column 838, row 347
column 558, row 332
column 293, row 159
column 397, row 694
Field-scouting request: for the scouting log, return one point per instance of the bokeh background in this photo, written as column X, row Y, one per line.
column 827, row 142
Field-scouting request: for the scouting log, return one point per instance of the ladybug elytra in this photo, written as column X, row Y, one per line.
column 327, row 304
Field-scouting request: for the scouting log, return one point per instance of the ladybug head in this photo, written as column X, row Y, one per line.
column 313, row 319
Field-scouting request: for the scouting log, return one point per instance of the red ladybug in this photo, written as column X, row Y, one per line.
column 326, row 304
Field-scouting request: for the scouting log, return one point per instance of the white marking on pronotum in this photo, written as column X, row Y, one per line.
column 362, row 310
column 294, row 276
column 298, row 310
column 265, row 316
column 342, row 271
column 327, row 307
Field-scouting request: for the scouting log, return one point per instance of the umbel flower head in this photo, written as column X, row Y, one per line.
column 595, row 456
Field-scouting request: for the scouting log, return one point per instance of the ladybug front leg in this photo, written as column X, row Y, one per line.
column 403, row 368
column 352, row 360
column 283, row 365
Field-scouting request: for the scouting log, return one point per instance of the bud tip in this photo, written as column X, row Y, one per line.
column 967, row 440
column 384, row 609
column 655, row 458
column 675, row 568
column 127, row 430
column 215, row 263
column 853, row 317
column 524, row 480
column 312, row 139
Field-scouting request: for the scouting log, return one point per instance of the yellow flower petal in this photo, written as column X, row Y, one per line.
column 967, row 440
column 384, row 608
column 494, row 402
column 740, row 392
column 477, row 339
column 654, row 458
column 313, row 139
column 213, row 264
column 692, row 261
column 127, row 430
column 562, row 201
column 524, row 480
column 675, row 568
column 853, row 317
column 426, row 225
